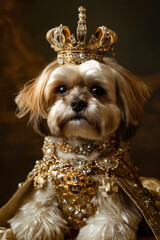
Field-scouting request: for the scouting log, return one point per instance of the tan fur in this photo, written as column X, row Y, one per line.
column 31, row 98
column 124, row 100
column 132, row 93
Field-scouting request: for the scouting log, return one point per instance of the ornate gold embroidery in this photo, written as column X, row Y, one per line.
column 75, row 183
column 74, row 179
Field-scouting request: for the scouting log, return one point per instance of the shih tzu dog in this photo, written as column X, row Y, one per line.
column 87, row 107
column 84, row 104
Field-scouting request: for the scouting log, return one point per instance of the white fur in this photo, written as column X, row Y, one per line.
column 116, row 219
column 39, row 216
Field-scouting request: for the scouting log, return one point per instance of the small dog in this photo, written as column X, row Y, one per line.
column 81, row 104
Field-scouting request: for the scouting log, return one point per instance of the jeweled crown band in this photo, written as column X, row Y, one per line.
column 76, row 51
column 77, row 57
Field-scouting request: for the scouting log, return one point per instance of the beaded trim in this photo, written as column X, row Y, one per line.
column 77, row 58
column 86, row 149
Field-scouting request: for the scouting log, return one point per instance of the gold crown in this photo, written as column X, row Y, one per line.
column 77, row 51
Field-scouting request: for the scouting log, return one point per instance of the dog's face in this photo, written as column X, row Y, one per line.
column 91, row 100
column 82, row 101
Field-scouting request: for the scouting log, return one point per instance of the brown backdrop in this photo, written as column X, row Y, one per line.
column 25, row 52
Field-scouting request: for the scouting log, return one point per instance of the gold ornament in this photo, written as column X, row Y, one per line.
column 76, row 51
column 76, row 183
column 74, row 179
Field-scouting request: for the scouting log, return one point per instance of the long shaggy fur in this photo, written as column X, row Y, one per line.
column 116, row 218
column 118, row 110
column 123, row 106
column 39, row 216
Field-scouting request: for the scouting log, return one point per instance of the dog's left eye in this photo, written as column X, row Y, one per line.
column 98, row 91
column 61, row 90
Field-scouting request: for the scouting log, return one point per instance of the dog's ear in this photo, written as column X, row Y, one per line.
column 31, row 100
column 131, row 96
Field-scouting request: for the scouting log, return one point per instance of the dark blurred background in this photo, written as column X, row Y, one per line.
column 25, row 52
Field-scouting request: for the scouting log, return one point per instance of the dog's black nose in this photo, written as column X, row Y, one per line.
column 78, row 105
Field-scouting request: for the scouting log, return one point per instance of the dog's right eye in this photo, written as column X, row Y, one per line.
column 61, row 90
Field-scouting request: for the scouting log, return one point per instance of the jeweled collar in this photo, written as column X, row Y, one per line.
column 51, row 166
column 107, row 160
column 86, row 149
